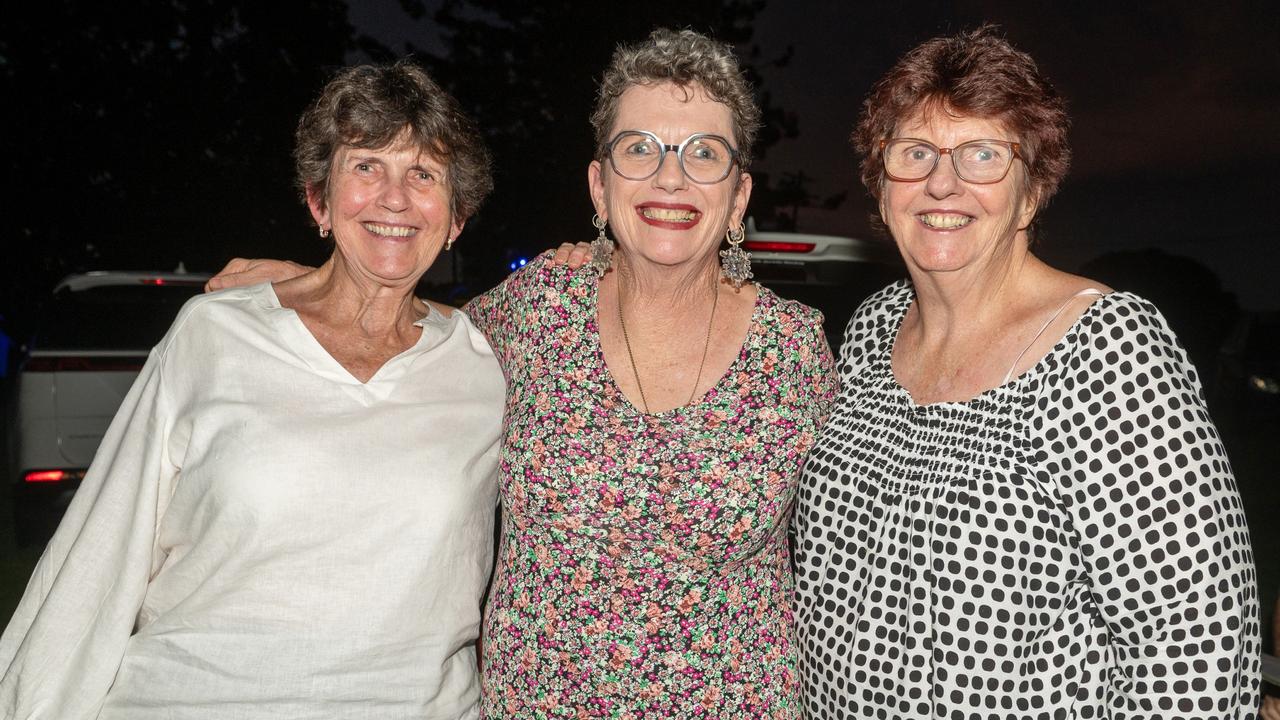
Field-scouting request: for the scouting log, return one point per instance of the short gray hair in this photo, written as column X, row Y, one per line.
column 371, row 106
column 690, row 60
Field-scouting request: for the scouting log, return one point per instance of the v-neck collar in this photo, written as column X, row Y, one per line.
column 591, row 305
column 304, row 344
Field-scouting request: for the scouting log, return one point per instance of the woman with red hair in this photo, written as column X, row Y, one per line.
column 1019, row 506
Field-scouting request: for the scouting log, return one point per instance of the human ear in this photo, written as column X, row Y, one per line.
column 319, row 206
column 1030, row 202
column 595, row 184
column 741, row 196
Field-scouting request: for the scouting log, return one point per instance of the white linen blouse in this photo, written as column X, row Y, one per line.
column 261, row 535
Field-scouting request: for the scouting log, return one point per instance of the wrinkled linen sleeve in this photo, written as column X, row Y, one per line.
column 1159, row 522
column 64, row 644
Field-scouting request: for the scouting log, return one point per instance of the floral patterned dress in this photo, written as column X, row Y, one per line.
column 643, row 570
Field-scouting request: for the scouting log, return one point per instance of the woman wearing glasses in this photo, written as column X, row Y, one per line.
column 658, row 409
column 1019, row 506
column 659, row 406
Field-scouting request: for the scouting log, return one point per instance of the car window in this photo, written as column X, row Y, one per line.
column 111, row 317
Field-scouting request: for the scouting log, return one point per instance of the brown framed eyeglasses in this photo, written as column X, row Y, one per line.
column 981, row 162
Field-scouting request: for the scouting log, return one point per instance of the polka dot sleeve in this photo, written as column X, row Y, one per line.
column 868, row 326
column 1125, row 437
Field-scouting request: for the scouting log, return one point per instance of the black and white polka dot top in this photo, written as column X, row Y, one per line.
column 1068, row 545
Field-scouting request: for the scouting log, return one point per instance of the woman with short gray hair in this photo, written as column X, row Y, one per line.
column 291, row 515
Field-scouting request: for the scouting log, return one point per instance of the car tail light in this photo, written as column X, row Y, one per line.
column 779, row 247
column 177, row 282
column 52, row 476
column 85, row 363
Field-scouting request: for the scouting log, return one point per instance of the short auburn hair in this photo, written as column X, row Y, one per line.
column 372, row 106
column 974, row 74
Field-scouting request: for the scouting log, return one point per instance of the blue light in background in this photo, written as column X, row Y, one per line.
column 518, row 263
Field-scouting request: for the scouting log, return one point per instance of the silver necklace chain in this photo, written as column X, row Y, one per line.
column 635, row 372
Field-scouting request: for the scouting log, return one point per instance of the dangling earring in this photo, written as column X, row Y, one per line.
column 735, row 263
column 601, row 247
column 448, row 243
column 324, row 231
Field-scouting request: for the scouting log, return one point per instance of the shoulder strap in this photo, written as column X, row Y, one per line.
column 1087, row 291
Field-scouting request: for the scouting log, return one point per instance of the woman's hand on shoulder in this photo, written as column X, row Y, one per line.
column 575, row 255
column 243, row 271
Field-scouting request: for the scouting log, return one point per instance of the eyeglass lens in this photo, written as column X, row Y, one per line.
column 637, row 155
column 979, row 161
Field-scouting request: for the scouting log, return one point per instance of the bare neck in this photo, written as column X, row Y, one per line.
column 669, row 336
column 661, row 290
column 966, row 335
column 340, row 297
column 983, row 296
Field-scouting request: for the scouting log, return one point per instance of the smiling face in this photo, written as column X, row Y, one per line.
column 944, row 224
column 667, row 219
column 389, row 212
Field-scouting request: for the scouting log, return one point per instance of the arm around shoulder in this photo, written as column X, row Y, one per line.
column 243, row 271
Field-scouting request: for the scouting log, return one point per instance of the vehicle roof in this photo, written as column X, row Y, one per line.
column 798, row 237
column 101, row 278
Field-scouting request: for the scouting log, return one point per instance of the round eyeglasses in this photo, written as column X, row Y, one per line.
column 705, row 158
column 981, row 162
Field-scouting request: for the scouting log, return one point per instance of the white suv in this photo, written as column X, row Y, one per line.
column 92, row 340
column 833, row 274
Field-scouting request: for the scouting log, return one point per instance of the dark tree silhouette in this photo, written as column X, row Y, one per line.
column 1189, row 294
column 528, row 74
column 778, row 206
column 147, row 133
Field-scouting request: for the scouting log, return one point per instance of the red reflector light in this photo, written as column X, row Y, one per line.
column 84, row 364
column 775, row 246
column 52, row 476
column 176, row 282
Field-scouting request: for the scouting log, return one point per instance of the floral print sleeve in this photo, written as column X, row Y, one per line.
column 491, row 312
column 643, row 570
column 817, row 366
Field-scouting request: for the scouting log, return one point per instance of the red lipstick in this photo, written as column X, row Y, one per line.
column 672, row 216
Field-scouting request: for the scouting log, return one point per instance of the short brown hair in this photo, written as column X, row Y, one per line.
column 689, row 60
column 372, row 106
column 976, row 74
